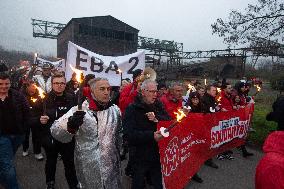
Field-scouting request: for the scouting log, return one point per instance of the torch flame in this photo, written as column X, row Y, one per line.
column 78, row 74
column 205, row 82
column 258, row 88
column 180, row 115
column 33, row 99
column 119, row 70
column 41, row 92
column 218, row 89
column 219, row 98
column 190, row 87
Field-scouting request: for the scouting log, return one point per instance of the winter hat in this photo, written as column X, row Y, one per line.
column 136, row 73
column 194, row 95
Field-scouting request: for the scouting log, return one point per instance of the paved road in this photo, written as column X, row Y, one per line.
column 236, row 174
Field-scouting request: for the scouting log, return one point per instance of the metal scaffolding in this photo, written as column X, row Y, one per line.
column 46, row 29
column 173, row 51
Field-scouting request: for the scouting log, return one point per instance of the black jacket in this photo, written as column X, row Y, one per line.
column 35, row 106
column 54, row 112
column 277, row 114
column 18, row 112
column 139, row 131
column 195, row 109
column 207, row 101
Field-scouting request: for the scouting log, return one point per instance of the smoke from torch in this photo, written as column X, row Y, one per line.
column 179, row 116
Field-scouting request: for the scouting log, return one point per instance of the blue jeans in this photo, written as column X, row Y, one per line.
column 8, row 147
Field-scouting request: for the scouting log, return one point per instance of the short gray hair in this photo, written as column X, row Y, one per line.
column 175, row 84
column 92, row 82
column 145, row 83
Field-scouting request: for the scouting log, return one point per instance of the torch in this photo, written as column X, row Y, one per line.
column 218, row 89
column 41, row 94
column 190, row 88
column 33, row 99
column 35, row 58
column 120, row 72
column 219, row 104
column 219, row 99
column 79, row 78
column 165, row 132
column 258, row 89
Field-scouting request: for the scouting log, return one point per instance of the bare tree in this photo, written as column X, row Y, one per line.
column 265, row 20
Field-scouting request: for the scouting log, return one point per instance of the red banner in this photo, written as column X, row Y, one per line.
column 197, row 138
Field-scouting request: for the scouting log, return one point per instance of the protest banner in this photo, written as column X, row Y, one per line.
column 103, row 66
column 197, row 138
column 59, row 65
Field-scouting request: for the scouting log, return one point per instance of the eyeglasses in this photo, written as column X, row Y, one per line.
column 57, row 83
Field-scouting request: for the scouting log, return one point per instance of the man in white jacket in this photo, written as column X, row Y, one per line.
column 44, row 80
column 96, row 131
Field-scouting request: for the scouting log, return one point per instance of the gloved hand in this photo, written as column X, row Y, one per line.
column 75, row 121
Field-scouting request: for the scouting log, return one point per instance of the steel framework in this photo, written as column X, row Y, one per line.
column 46, row 29
column 156, row 48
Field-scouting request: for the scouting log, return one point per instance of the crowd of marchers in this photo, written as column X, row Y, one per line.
column 93, row 126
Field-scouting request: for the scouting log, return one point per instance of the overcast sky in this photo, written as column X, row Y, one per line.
column 185, row 21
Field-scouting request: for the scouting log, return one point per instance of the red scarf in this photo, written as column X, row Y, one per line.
column 87, row 93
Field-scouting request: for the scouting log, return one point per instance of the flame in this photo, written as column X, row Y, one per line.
column 258, row 88
column 41, row 92
column 119, row 70
column 33, row 99
column 180, row 115
column 218, row 89
column 219, row 98
column 190, row 87
column 79, row 74
column 205, row 81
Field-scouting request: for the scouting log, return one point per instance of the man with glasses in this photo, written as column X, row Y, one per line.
column 140, row 129
column 58, row 102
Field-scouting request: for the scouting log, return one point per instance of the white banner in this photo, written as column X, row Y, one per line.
column 59, row 65
column 103, row 66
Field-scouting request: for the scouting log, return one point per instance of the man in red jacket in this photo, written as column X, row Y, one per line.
column 129, row 92
column 226, row 104
column 270, row 169
column 173, row 101
column 225, row 99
